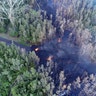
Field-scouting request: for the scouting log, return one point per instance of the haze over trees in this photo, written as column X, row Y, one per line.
column 35, row 22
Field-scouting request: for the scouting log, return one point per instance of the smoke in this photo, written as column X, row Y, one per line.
column 63, row 53
column 71, row 54
column 67, row 55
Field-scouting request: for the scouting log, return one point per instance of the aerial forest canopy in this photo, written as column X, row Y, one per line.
column 23, row 19
column 61, row 37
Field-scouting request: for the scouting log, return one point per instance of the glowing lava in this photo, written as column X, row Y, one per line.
column 49, row 58
column 36, row 49
column 59, row 40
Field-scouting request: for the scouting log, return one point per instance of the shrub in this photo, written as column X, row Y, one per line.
column 2, row 29
column 13, row 33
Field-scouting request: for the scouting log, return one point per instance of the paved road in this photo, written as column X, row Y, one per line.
column 9, row 42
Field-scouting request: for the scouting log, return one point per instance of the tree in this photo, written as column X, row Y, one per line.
column 9, row 9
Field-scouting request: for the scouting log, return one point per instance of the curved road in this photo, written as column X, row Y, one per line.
column 9, row 42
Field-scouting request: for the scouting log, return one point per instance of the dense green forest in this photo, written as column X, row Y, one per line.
column 34, row 22
column 23, row 19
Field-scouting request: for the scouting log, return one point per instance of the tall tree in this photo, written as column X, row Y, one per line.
column 9, row 9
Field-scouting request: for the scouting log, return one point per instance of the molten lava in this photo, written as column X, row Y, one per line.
column 59, row 40
column 49, row 58
column 36, row 49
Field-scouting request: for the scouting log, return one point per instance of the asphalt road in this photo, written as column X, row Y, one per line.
column 9, row 42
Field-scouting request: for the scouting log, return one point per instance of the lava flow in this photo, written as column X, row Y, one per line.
column 49, row 58
column 36, row 49
column 59, row 40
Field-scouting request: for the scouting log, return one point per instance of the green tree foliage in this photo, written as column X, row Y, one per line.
column 18, row 76
column 26, row 21
column 13, row 65
column 9, row 8
column 32, row 27
column 27, row 84
column 2, row 27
